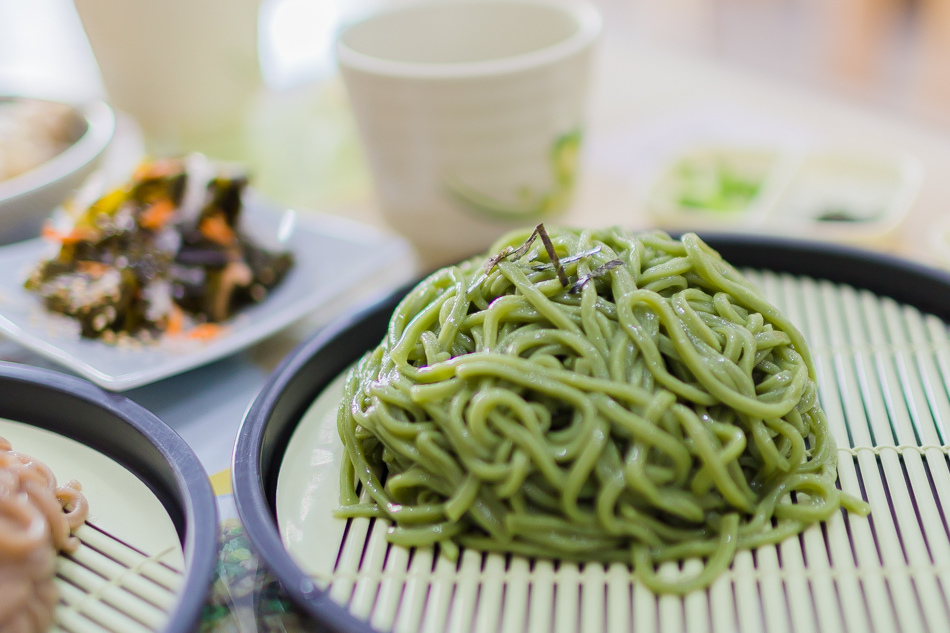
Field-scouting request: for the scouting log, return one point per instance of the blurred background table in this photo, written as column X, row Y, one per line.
column 862, row 74
column 869, row 75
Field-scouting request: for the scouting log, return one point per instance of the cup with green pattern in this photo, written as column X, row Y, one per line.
column 471, row 114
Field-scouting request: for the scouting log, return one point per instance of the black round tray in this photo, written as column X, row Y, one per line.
column 117, row 427
column 295, row 384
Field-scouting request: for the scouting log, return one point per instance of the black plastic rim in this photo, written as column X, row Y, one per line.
column 137, row 439
column 293, row 386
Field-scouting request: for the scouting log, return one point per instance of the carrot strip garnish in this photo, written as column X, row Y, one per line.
column 204, row 331
column 176, row 319
column 74, row 236
column 217, row 230
column 96, row 269
column 157, row 215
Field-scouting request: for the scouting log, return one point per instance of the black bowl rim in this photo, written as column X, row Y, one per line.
column 907, row 282
column 141, row 442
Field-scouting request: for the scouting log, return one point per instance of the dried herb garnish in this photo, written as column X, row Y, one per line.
column 510, row 253
column 597, row 272
column 570, row 259
column 552, row 254
column 838, row 215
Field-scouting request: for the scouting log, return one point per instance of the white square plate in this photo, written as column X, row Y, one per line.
column 332, row 255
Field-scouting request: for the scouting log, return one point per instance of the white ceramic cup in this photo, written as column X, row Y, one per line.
column 471, row 113
column 183, row 69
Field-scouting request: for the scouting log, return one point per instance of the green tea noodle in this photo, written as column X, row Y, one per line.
column 37, row 518
column 600, row 396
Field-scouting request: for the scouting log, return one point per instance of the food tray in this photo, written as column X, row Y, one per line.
column 836, row 194
column 149, row 544
column 878, row 330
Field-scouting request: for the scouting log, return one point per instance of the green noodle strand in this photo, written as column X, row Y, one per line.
column 656, row 408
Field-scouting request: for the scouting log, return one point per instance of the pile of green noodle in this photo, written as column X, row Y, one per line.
column 631, row 399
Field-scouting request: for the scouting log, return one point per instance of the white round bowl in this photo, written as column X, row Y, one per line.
column 27, row 199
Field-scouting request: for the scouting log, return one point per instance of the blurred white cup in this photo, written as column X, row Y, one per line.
column 471, row 113
column 184, row 69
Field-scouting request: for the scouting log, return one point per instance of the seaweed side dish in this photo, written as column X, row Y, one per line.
column 163, row 254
